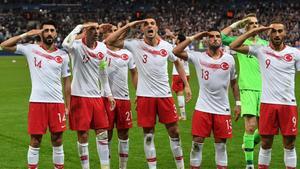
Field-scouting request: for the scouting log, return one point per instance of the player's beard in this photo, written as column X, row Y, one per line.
column 48, row 40
column 214, row 47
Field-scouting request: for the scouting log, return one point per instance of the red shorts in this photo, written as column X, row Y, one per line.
column 203, row 123
column 87, row 113
column 177, row 83
column 275, row 116
column 42, row 115
column 121, row 115
column 148, row 107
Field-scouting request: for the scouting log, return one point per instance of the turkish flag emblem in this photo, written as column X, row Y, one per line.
column 124, row 56
column 288, row 57
column 163, row 52
column 58, row 59
column 224, row 66
column 100, row 55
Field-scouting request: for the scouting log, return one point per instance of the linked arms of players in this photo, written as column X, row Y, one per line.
column 114, row 38
column 238, row 46
column 236, row 95
column 10, row 44
column 179, row 49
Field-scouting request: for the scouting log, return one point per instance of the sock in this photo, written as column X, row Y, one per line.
column 149, row 149
column 58, row 157
column 221, row 155
column 256, row 137
column 181, row 105
column 248, row 148
column 196, row 155
column 102, row 149
column 33, row 157
column 83, row 151
column 264, row 158
column 290, row 158
column 177, row 152
column 123, row 153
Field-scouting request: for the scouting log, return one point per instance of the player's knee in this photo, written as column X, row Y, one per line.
column 35, row 142
column 250, row 129
column 266, row 143
column 123, row 135
column 173, row 131
column 289, row 142
column 102, row 136
column 198, row 139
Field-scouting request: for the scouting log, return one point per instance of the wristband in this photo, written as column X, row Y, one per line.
column 22, row 36
column 238, row 103
column 1, row 48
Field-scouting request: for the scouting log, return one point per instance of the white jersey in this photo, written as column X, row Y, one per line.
column 46, row 71
column 185, row 65
column 118, row 64
column 278, row 73
column 152, row 65
column 85, row 64
column 214, row 79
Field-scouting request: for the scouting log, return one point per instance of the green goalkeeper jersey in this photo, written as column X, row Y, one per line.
column 249, row 72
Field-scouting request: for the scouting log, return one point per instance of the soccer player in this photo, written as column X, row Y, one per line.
column 278, row 64
column 177, row 83
column 119, row 61
column 249, row 84
column 47, row 65
column 154, row 97
column 87, row 108
column 215, row 71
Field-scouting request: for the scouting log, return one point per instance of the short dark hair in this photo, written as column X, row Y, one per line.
column 181, row 37
column 214, row 29
column 250, row 15
column 48, row 22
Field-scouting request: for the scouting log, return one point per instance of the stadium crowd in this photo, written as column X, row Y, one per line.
column 187, row 16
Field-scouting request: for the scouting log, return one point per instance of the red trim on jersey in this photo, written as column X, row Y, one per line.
column 151, row 45
column 272, row 47
column 84, row 42
column 57, row 59
column 209, row 54
column 47, row 50
column 123, row 56
column 223, row 65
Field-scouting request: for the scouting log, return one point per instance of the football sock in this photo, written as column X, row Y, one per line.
column 123, row 149
column 177, row 152
column 221, row 155
column 102, row 149
column 248, row 148
column 264, row 158
column 181, row 105
column 290, row 158
column 33, row 157
column 58, row 157
column 196, row 155
column 149, row 149
column 83, row 151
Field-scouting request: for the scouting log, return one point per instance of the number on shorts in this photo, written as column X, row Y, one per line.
column 294, row 121
column 268, row 62
column 128, row 115
column 61, row 117
column 145, row 57
column 228, row 124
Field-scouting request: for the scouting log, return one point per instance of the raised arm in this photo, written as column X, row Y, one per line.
column 236, row 25
column 179, row 49
column 180, row 69
column 10, row 44
column 236, row 95
column 238, row 46
column 114, row 38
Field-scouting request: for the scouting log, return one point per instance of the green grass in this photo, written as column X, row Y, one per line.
column 14, row 94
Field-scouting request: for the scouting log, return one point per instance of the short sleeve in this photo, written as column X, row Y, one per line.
column 233, row 71
column 227, row 40
column 297, row 60
column 130, row 44
column 254, row 49
column 66, row 71
column 131, row 63
column 192, row 56
column 21, row 48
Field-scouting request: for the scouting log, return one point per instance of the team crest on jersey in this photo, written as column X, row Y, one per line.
column 163, row 52
column 124, row 56
column 224, row 66
column 288, row 57
column 58, row 59
column 99, row 55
